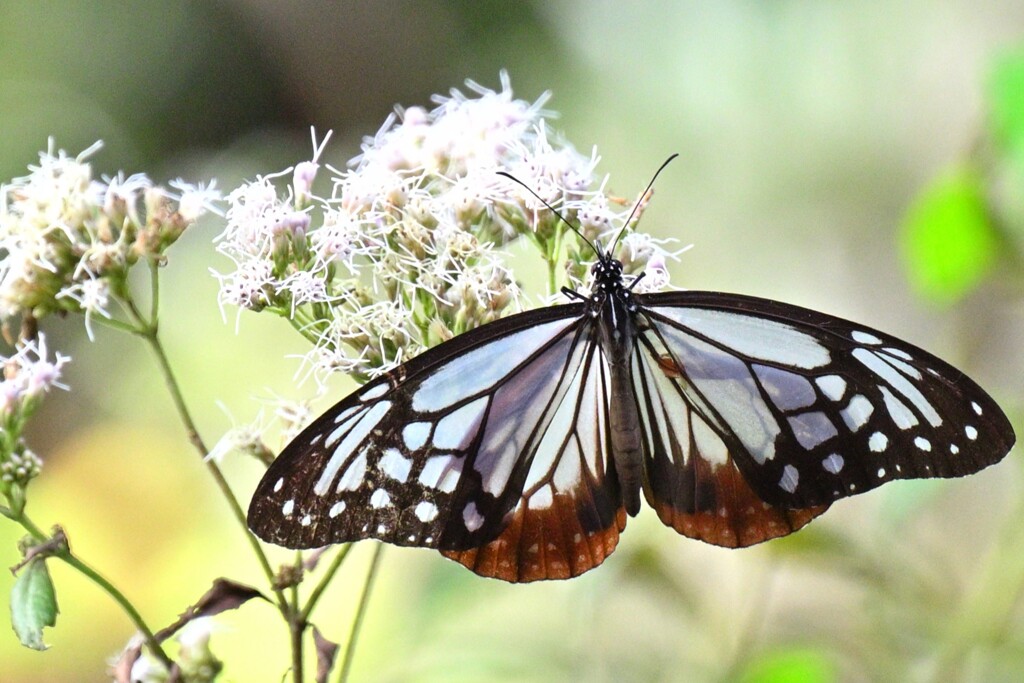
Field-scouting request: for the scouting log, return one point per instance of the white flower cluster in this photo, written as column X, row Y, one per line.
column 403, row 254
column 28, row 374
column 67, row 239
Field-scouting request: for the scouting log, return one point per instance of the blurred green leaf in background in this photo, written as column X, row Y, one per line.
column 949, row 242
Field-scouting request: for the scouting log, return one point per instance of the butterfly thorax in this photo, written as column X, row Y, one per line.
column 613, row 307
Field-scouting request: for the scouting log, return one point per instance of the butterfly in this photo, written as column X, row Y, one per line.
column 519, row 448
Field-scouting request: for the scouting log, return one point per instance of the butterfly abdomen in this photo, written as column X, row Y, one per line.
column 627, row 444
column 618, row 338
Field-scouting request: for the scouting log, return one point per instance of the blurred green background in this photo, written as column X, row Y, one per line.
column 863, row 158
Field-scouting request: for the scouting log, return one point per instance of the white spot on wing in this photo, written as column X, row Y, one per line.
column 449, row 481
column 415, row 434
column 833, row 463
column 787, row 390
column 812, row 429
column 899, row 353
column 790, row 479
column 833, row 386
column 857, row 412
column 344, row 415
column 374, row 391
column 380, row 499
column 278, row 485
column 395, row 465
column 288, row 507
column 923, row 443
column 954, row 449
column 471, row 518
column 709, row 444
column 457, row 430
column 542, row 499
column 442, row 473
column 903, row 367
column 976, row 407
column 881, row 472
column 426, row 511
column 306, row 520
column 971, row 432
column 353, row 476
column 336, row 509
column 865, row 338
column 878, row 442
column 899, row 412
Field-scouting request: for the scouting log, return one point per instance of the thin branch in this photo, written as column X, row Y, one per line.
column 314, row 597
column 357, row 622
column 110, row 589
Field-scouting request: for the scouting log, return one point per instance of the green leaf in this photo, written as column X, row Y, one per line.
column 949, row 245
column 33, row 604
column 794, row 665
column 1005, row 93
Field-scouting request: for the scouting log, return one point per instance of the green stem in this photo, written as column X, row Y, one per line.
column 148, row 330
column 357, row 622
column 150, row 335
column 314, row 597
column 296, row 627
column 154, row 290
column 151, row 642
column 552, row 259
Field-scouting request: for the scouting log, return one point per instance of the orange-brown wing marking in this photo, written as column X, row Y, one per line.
column 544, row 544
column 723, row 510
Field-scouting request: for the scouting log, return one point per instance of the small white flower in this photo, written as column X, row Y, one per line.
column 305, row 172
column 93, row 295
column 195, row 200
column 122, row 194
column 293, row 415
column 246, row 438
column 339, row 240
column 306, row 287
column 10, row 396
column 33, row 370
column 247, row 286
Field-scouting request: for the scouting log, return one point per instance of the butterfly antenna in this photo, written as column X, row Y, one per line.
column 554, row 211
column 639, row 201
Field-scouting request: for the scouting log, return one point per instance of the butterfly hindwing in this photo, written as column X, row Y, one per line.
column 469, row 440
column 570, row 513
column 691, row 475
column 806, row 407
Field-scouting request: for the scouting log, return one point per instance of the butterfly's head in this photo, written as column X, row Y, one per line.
column 606, row 268
column 607, row 273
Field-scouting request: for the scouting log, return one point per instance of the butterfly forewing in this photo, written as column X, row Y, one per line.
column 809, row 407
